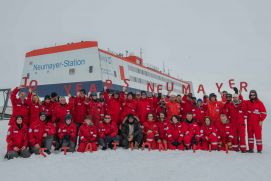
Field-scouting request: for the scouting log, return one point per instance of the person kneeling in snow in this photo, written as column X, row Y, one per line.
column 67, row 133
column 225, row 133
column 87, row 136
column 131, row 132
column 208, row 135
column 41, row 134
column 17, row 139
column 108, row 133
column 150, row 130
column 175, row 134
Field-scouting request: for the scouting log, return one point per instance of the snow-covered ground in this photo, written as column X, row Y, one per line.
column 139, row 165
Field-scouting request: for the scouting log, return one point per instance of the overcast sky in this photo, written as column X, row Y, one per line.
column 205, row 41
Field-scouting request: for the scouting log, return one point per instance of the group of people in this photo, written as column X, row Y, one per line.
column 133, row 120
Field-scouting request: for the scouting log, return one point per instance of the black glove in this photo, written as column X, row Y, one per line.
column 235, row 90
column 175, row 143
column 194, row 141
column 66, row 137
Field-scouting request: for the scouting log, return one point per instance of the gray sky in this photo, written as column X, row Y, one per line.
column 202, row 41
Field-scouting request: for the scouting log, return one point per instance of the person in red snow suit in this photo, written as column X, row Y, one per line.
column 113, row 105
column 87, row 135
column 150, row 131
column 255, row 117
column 47, row 107
column 163, row 125
column 60, row 112
column 108, row 133
column 35, row 106
column 225, row 133
column 175, row 133
column 161, row 107
column 214, row 109
column 67, row 133
column 17, row 139
column 96, row 109
column 129, row 106
column 153, row 100
column 20, row 106
column 223, row 96
column 208, row 135
column 144, row 107
column 187, row 105
column 238, row 116
column 228, row 106
column 41, row 135
column 200, row 112
column 173, row 107
column 191, row 132
column 79, row 107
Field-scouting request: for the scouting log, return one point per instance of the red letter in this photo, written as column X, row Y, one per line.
column 35, row 86
column 126, row 82
column 67, row 89
column 172, row 87
column 65, row 149
column 231, row 83
column 243, row 85
column 92, row 88
column 150, row 86
column 25, row 82
column 78, row 87
column 88, row 147
column 218, row 86
column 201, row 88
column 108, row 84
column 186, row 89
column 159, row 88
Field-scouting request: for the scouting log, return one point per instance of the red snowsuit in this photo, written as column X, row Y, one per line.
column 214, row 110
column 17, row 137
column 191, row 131
column 173, row 108
column 34, row 109
column 151, row 133
column 199, row 115
column 256, row 113
column 37, row 129
column 107, row 129
column 19, row 107
column 128, row 107
column 79, row 108
column 225, row 135
column 186, row 106
column 97, row 110
column 144, row 107
column 175, row 133
column 60, row 112
column 113, row 108
column 47, row 108
column 87, row 134
column 65, row 129
column 209, row 136
column 228, row 109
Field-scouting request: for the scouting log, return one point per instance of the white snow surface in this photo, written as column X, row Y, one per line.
column 139, row 165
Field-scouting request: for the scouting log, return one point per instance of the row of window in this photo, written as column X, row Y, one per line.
column 152, row 75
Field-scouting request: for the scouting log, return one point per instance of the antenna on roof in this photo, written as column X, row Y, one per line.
column 126, row 53
column 141, row 52
column 164, row 69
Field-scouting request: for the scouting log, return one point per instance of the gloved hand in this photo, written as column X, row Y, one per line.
column 235, row 90
column 175, row 143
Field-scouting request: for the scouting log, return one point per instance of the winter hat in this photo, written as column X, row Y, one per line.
column 68, row 117
column 130, row 93
column 199, row 100
column 54, row 94
column 42, row 114
column 229, row 95
column 143, row 92
column 47, row 97
column 212, row 95
column 83, row 90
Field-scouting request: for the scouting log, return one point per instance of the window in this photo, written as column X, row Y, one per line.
column 90, row 69
column 72, row 71
column 115, row 73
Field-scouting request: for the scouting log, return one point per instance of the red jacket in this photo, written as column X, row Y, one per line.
column 175, row 132
column 37, row 129
column 225, row 133
column 238, row 114
column 256, row 110
column 97, row 110
column 128, row 107
column 88, row 133
column 79, row 108
column 206, row 131
column 214, row 110
column 113, row 107
column 173, row 108
column 143, row 108
column 65, row 129
column 19, row 107
column 191, row 129
column 60, row 113
column 199, row 114
column 186, row 106
column 34, row 109
column 228, row 109
column 17, row 137
column 107, row 129
column 162, row 129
